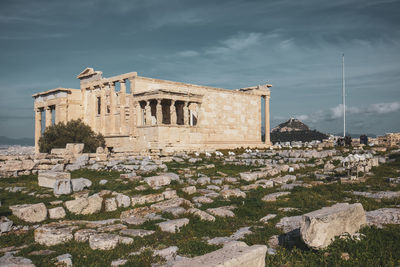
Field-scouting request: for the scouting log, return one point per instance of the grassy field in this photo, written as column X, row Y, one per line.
column 377, row 247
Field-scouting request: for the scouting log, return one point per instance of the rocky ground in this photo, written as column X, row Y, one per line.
column 278, row 207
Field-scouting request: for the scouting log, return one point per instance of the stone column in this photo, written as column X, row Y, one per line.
column 159, row 112
column 113, row 105
column 185, row 113
column 38, row 128
column 92, row 109
column 132, row 82
column 48, row 117
column 139, row 119
column 122, row 104
column 61, row 113
column 266, row 120
column 132, row 115
column 173, row 112
column 122, row 92
column 103, row 109
column 148, row 113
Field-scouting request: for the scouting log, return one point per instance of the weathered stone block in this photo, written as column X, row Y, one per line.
column 79, row 184
column 30, row 212
column 249, row 176
column 8, row 260
column 48, row 178
column 233, row 254
column 51, row 235
column 319, row 228
column 173, row 226
column 5, row 224
column 155, row 181
column 62, row 187
column 57, row 213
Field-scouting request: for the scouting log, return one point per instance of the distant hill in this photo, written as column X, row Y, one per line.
column 4, row 140
column 295, row 130
column 290, row 126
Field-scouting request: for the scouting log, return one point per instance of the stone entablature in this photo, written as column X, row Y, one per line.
column 140, row 114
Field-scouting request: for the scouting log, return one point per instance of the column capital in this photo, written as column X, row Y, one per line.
column 122, row 81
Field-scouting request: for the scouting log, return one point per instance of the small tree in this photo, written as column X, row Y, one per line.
column 74, row 131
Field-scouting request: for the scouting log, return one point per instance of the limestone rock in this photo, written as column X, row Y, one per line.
column 189, row 190
column 203, row 200
column 155, row 181
column 30, row 212
column 221, row 212
column 118, row 262
column 319, row 228
column 175, row 202
column 5, row 224
column 84, row 234
column 8, row 260
column 48, row 178
column 28, row 164
column 64, row 260
column 204, row 216
column 103, row 182
column 234, row 254
column 273, row 197
column 136, row 232
column 79, row 184
column 110, row 204
column 379, row 195
column 284, row 179
column 51, row 235
column 227, row 193
column 203, row 180
column 85, row 205
column 57, row 213
column 173, row 176
column 267, row 218
column 175, row 211
column 249, row 176
column 62, row 187
column 77, row 205
column 94, row 204
column 123, row 201
column 12, row 166
column 168, row 253
column 173, row 226
column 103, row 241
column 289, row 224
column 383, row 216
column 169, row 194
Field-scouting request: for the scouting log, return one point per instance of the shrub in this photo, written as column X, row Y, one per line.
column 74, row 131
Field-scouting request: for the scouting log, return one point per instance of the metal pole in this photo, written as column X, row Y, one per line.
column 344, row 98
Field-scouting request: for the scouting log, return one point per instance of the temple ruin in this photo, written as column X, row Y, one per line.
column 138, row 114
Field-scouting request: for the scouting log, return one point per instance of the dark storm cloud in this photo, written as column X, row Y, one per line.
column 295, row 45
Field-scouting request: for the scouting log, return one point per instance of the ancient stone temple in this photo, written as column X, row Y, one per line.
column 138, row 114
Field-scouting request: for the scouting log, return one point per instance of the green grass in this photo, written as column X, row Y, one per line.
column 379, row 247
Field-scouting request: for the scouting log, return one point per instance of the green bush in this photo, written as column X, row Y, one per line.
column 74, row 131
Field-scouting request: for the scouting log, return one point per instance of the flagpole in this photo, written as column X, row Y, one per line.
column 344, row 98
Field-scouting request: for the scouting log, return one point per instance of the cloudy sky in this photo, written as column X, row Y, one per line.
column 294, row 45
